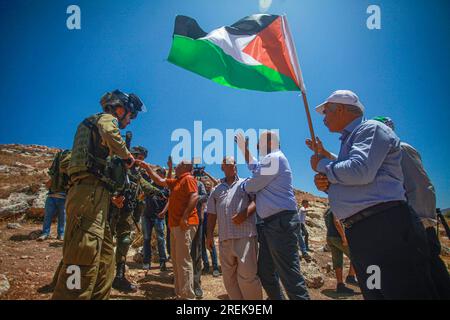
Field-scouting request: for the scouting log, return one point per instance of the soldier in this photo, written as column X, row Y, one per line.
column 88, row 266
column 56, row 198
column 129, row 207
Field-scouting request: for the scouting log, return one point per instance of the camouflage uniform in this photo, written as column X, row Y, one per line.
column 122, row 225
column 88, row 245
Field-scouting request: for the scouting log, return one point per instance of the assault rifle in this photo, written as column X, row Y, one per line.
column 130, row 188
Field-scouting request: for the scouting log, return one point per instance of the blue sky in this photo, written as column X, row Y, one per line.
column 53, row 77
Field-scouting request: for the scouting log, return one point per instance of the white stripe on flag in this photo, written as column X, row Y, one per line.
column 293, row 53
column 233, row 45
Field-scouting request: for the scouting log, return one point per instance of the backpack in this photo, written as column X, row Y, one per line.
column 58, row 172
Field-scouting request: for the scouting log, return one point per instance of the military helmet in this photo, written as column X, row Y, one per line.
column 131, row 102
column 139, row 150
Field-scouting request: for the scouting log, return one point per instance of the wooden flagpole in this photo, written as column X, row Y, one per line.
column 299, row 78
column 308, row 117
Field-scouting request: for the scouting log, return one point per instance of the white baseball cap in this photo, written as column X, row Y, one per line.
column 341, row 97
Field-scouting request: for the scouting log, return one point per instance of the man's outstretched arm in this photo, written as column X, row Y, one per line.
column 162, row 182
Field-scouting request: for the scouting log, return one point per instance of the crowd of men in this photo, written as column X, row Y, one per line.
column 382, row 212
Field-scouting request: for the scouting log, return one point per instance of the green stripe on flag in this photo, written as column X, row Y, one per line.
column 210, row 61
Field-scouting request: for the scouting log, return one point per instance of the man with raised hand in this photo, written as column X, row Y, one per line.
column 183, row 223
column 271, row 183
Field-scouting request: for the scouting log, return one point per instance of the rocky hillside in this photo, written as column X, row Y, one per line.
column 23, row 173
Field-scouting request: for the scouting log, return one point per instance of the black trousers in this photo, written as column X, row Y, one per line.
column 196, row 255
column 305, row 235
column 395, row 242
column 439, row 271
column 278, row 257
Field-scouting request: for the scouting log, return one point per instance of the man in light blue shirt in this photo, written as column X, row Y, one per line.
column 369, row 152
column 365, row 189
column 271, row 182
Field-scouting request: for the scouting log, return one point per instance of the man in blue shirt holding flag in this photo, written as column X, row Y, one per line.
column 365, row 188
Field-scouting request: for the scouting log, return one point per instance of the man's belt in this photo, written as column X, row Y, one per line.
column 371, row 211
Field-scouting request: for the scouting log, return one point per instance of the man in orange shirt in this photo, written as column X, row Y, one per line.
column 183, row 223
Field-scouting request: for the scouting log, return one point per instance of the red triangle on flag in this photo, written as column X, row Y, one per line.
column 269, row 48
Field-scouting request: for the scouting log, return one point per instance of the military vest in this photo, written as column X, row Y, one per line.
column 88, row 153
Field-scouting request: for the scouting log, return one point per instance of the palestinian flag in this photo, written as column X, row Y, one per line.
column 255, row 53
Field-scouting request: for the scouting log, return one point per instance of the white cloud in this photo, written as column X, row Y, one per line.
column 264, row 5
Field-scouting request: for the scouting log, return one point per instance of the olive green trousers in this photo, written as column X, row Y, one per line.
column 87, row 271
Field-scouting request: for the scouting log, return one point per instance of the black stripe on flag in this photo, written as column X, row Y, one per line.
column 188, row 27
column 251, row 25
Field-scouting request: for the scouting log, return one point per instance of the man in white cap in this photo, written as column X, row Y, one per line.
column 365, row 189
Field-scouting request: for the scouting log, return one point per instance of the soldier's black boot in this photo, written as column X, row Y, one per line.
column 120, row 282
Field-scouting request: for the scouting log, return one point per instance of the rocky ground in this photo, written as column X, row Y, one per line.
column 26, row 265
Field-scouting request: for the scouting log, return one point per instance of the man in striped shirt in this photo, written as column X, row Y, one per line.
column 234, row 210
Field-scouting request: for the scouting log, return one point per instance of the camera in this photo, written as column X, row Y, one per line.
column 198, row 171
